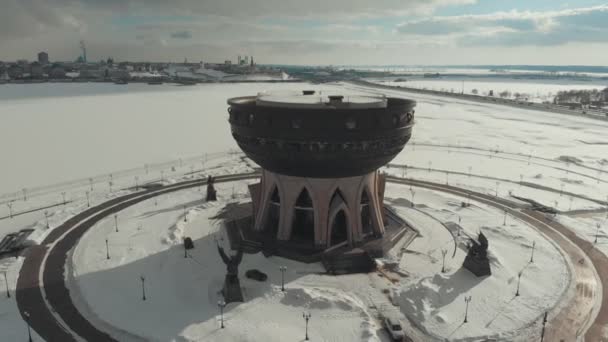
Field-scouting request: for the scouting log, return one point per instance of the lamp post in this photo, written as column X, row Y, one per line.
column 8, row 293
column 221, row 304
column 597, row 232
column 518, row 282
column 88, row 200
column 306, row 316
column 91, row 184
column 63, row 197
column 46, row 217
column 136, row 183
column 413, row 194
column 116, row 222
column 532, row 255
column 143, row 287
column 542, row 333
column 24, row 190
column 185, row 214
column 443, row 253
column 283, row 269
column 504, row 223
column 29, row 329
column 10, row 209
column 467, row 300
column 107, row 250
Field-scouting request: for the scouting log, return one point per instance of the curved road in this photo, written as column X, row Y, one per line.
column 41, row 288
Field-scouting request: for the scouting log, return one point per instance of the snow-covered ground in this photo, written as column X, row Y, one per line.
column 534, row 90
column 181, row 293
column 435, row 300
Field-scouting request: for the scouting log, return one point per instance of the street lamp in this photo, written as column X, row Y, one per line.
column 542, row 333
column 8, row 293
column 443, row 253
column 29, row 329
column 518, row 282
column 185, row 214
column 283, row 269
column 91, row 183
column 467, row 300
column 221, row 304
column 413, row 194
column 46, row 216
column 88, row 200
column 143, row 287
column 107, row 250
column 10, row 209
column 116, row 222
column 532, row 255
column 306, row 316
column 504, row 223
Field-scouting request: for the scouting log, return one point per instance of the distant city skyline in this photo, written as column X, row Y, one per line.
column 340, row 32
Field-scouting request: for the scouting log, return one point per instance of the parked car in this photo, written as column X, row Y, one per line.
column 393, row 326
column 256, row 275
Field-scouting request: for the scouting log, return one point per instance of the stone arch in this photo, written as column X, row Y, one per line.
column 339, row 224
column 272, row 218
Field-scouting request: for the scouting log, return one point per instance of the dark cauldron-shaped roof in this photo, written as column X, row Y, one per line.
column 309, row 134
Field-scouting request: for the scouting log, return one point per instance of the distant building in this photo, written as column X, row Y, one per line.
column 227, row 62
column 43, row 58
column 57, row 71
column 36, row 70
column 15, row 71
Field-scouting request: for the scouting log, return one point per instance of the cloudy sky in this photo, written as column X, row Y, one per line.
column 354, row 32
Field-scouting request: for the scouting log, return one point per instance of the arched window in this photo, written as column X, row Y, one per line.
column 339, row 228
column 303, row 225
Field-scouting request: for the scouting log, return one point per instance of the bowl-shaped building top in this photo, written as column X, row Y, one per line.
column 313, row 134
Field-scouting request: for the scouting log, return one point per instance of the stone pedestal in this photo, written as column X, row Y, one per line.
column 232, row 289
column 478, row 266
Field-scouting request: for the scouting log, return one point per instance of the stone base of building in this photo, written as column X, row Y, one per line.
column 339, row 259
